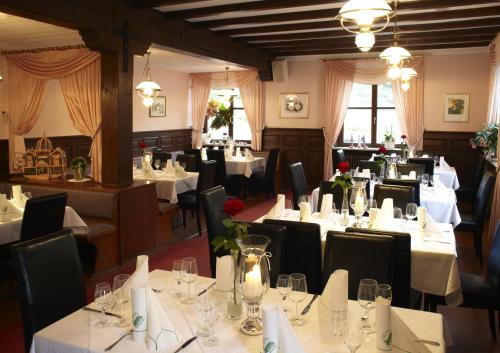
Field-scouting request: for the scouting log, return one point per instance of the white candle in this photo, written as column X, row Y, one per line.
column 253, row 283
column 358, row 204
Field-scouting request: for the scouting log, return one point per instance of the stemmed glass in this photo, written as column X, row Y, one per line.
column 157, row 164
column 202, row 302
column 372, row 203
column 177, row 271
column 121, row 296
column 398, row 213
column 411, row 211
column 189, row 275
column 297, row 295
column 425, row 179
column 284, row 286
column 366, row 299
column 353, row 337
column 102, row 297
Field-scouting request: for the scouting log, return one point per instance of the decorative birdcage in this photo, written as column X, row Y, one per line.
column 44, row 162
column 57, row 162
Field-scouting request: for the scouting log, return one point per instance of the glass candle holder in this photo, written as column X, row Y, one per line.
column 359, row 201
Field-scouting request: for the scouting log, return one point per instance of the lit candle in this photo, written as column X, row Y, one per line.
column 253, row 283
column 358, row 204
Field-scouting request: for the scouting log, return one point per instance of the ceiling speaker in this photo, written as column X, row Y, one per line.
column 280, row 70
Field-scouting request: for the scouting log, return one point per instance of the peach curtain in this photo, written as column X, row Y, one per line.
column 79, row 74
column 494, row 97
column 252, row 97
column 200, row 93
column 495, row 207
column 339, row 76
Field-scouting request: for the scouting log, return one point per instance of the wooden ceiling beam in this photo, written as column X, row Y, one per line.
column 378, row 49
column 246, row 6
column 386, row 37
column 339, row 32
column 427, row 16
column 331, row 13
column 145, row 4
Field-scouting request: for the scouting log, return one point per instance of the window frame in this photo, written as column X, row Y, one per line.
column 374, row 117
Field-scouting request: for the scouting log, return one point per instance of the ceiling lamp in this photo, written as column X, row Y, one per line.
column 147, row 89
column 228, row 93
column 406, row 74
column 364, row 13
column 394, row 72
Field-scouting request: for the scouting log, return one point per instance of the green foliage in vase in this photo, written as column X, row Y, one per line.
column 487, row 138
column 223, row 117
column 78, row 162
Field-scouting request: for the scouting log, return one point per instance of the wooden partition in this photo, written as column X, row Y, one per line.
column 169, row 140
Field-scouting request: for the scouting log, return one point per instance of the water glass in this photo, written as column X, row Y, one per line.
column 411, row 211
column 122, row 296
column 339, row 321
column 284, row 286
column 177, row 272
column 366, row 299
column 202, row 302
column 372, row 204
column 353, row 337
column 189, row 275
column 157, row 163
column 398, row 213
column 425, row 179
column 103, row 297
column 297, row 295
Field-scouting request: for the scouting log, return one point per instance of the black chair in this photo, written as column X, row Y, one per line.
column 406, row 182
column 372, row 165
column 277, row 234
column 427, row 162
column 302, row 251
column 474, row 222
column 197, row 154
column 479, row 291
column 326, row 187
column 265, row 179
column 161, row 155
column 299, row 182
column 50, row 281
column 190, row 161
column 190, row 200
column 338, row 156
column 43, row 215
column 406, row 168
column 364, row 256
column 469, row 193
column 401, row 195
column 220, row 173
column 402, row 280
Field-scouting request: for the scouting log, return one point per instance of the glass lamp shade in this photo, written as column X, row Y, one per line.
column 407, row 73
column 394, row 72
column 359, row 200
column 364, row 12
column 395, row 55
column 405, row 86
column 148, row 89
column 365, row 41
column 147, row 102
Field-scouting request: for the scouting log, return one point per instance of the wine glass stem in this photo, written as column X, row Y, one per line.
column 123, row 310
column 103, row 314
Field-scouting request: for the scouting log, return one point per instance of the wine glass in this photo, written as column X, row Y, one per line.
column 353, row 337
column 102, row 297
column 211, row 317
column 366, row 299
column 183, row 165
column 411, row 211
column 202, row 302
column 177, row 271
column 189, row 273
column 425, row 179
column 121, row 296
column 297, row 294
column 157, row 163
column 303, row 198
column 384, row 291
column 284, row 286
column 398, row 213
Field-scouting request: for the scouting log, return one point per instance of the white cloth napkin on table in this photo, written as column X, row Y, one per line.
column 203, row 154
column 224, row 274
column 366, row 173
column 170, row 167
column 387, row 210
column 412, row 175
column 305, row 211
column 404, row 338
column 335, row 294
column 326, row 205
column 278, row 209
column 278, row 336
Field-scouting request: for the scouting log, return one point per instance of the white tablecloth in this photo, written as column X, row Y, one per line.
column 242, row 166
column 433, row 255
column 448, row 176
column 441, row 203
column 10, row 228
column 76, row 333
column 169, row 186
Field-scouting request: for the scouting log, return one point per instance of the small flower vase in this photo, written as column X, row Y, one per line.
column 234, row 304
column 345, row 208
column 78, row 173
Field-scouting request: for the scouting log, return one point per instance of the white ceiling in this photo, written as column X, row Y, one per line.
column 18, row 33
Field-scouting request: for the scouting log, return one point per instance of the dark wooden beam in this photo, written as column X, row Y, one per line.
column 427, row 16
column 247, row 7
column 340, row 32
column 330, row 13
column 378, row 49
column 144, row 4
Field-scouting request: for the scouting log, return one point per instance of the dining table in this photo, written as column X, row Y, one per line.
column 434, row 268
column 77, row 332
column 236, row 165
column 11, row 223
column 169, row 185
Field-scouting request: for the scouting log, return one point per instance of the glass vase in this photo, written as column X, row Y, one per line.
column 345, row 208
column 234, row 305
column 359, row 201
column 78, row 173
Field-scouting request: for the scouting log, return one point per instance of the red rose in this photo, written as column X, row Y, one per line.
column 233, row 206
column 142, row 145
column 343, row 167
column 382, row 150
column 403, row 137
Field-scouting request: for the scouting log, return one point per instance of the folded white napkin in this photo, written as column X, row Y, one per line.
column 305, row 211
column 425, row 156
column 422, row 218
column 383, row 323
column 17, row 193
column 393, row 155
column 373, row 215
column 366, row 173
column 216, row 148
column 278, row 335
column 224, row 273
column 334, row 296
column 203, row 154
column 412, row 175
column 280, row 202
column 7, row 209
column 387, row 210
column 326, row 205
column 277, row 210
column 405, row 177
column 404, row 337
column 442, row 163
column 170, row 167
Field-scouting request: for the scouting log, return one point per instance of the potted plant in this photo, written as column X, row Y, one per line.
column 486, row 139
column 344, row 180
column 389, row 139
column 79, row 167
column 223, row 117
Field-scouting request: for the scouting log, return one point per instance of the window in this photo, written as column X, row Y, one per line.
column 239, row 129
column 370, row 114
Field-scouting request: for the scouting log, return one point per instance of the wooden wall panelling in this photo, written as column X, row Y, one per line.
column 4, row 160
column 170, row 140
column 297, row 145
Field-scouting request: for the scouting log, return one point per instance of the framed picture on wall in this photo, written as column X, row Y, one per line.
column 159, row 107
column 456, row 107
column 294, row 105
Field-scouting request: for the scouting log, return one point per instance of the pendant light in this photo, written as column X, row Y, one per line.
column 147, row 89
column 364, row 13
column 226, row 99
column 406, row 74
